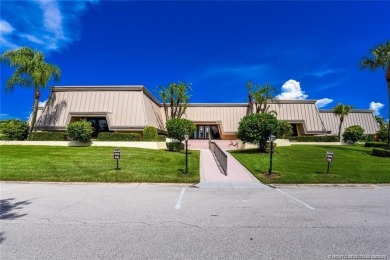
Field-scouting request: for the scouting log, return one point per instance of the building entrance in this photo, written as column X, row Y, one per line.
column 206, row 132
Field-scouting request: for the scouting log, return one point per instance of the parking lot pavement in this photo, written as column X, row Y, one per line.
column 146, row 221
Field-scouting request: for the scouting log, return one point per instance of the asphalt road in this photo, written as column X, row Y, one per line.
column 132, row 221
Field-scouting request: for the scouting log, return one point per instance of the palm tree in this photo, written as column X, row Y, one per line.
column 380, row 60
column 31, row 71
column 341, row 111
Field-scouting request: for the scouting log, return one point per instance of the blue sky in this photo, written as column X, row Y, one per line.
column 306, row 49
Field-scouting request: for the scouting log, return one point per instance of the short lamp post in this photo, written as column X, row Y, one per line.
column 186, row 137
column 271, row 139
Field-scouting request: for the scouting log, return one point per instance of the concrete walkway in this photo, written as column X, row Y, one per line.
column 211, row 176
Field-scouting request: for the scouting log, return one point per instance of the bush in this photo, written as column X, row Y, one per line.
column 161, row 138
column 324, row 138
column 177, row 128
column 106, row 136
column 368, row 138
column 14, row 129
column 268, row 146
column 256, row 129
column 285, row 130
column 353, row 134
column 382, row 133
column 381, row 152
column 47, row 136
column 375, row 144
column 175, row 146
column 80, row 131
column 150, row 133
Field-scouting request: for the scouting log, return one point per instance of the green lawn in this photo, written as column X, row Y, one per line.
column 95, row 164
column 306, row 164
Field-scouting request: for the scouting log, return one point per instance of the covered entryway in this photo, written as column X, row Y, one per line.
column 206, row 131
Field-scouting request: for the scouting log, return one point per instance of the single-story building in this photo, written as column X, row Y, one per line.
column 132, row 108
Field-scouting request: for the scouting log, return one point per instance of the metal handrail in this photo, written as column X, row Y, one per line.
column 220, row 155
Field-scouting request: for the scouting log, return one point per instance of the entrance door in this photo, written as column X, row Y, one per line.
column 207, row 132
column 201, row 132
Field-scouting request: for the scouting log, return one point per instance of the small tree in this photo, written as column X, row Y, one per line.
column 285, row 130
column 257, row 128
column 353, row 134
column 31, row 71
column 341, row 111
column 150, row 134
column 175, row 98
column 177, row 128
column 382, row 133
column 80, row 131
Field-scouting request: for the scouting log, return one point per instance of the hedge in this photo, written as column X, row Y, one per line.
column 162, row 138
column 375, row 144
column 47, row 136
column 150, row 134
column 107, row 136
column 381, row 152
column 14, row 129
column 175, row 146
column 324, row 138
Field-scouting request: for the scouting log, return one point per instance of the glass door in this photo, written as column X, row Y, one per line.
column 201, row 131
column 207, row 132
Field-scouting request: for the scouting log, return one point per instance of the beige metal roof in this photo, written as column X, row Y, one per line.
column 230, row 114
column 125, row 107
column 226, row 114
column 364, row 118
column 133, row 107
column 300, row 111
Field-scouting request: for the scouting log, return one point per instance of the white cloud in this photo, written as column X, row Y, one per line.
column 291, row 89
column 376, row 106
column 42, row 103
column 32, row 38
column 323, row 102
column 5, row 27
column 46, row 25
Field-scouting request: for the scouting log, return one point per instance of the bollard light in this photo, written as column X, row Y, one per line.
column 271, row 139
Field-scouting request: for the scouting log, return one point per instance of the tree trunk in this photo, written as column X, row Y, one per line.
column 341, row 123
column 37, row 94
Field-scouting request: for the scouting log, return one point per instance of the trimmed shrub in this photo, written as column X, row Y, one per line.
column 353, row 134
column 375, row 144
column 14, row 129
column 324, row 138
column 107, row 136
column 47, row 136
column 80, row 131
column 175, row 146
column 256, row 129
column 381, row 152
column 150, row 133
column 177, row 128
column 285, row 130
column 161, row 138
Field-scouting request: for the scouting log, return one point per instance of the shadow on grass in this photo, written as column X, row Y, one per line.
column 249, row 151
column 8, row 211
